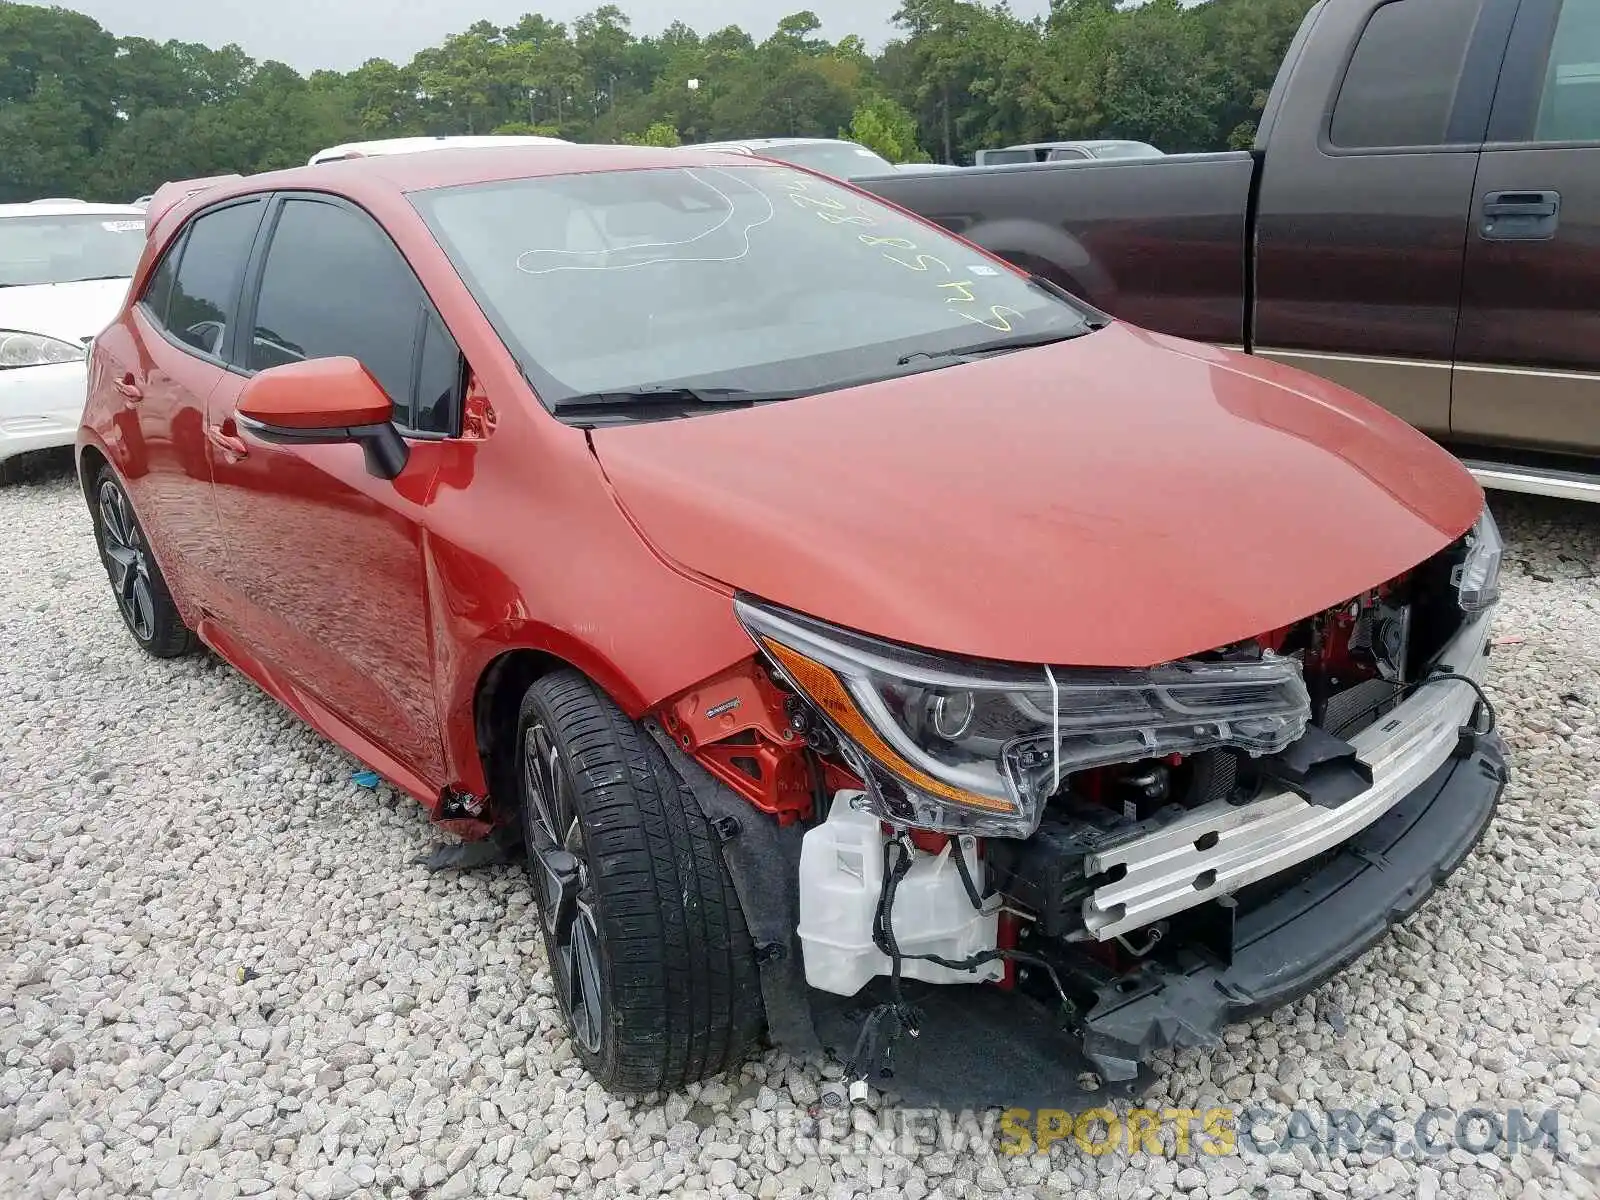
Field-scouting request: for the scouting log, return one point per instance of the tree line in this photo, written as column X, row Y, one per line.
column 84, row 112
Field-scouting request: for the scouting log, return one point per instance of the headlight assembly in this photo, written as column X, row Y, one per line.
column 35, row 350
column 975, row 747
column 1477, row 577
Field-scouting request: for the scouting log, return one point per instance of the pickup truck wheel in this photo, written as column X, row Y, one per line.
column 647, row 946
column 141, row 590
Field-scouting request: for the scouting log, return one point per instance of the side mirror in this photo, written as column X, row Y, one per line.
column 323, row 401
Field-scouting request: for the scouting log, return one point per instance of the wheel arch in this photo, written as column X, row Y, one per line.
column 496, row 698
column 91, row 460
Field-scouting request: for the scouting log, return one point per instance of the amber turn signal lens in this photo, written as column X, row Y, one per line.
column 827, row 692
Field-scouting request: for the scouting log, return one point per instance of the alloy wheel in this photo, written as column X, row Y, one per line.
column 128, row 560
column 566, row 896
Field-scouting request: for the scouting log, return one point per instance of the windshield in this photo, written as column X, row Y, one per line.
column 66, row 248
column 752, row 276
column 842, row 160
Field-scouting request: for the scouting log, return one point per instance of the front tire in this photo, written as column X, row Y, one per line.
column 647, row 945
column 140, row 589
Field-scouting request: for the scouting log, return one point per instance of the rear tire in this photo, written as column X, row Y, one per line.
column 136, row 581
column 647, row 945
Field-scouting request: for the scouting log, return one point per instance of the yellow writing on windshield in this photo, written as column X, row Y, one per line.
column 959, row 296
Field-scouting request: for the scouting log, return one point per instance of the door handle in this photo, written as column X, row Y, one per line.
column 231, row 445
column 1520, row 216
column 128, row 386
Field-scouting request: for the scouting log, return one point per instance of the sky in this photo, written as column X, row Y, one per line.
column 341, row 34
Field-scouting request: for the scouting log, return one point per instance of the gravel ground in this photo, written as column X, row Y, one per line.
column 221, row 973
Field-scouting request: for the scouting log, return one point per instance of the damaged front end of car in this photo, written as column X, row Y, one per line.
column 1145, row 854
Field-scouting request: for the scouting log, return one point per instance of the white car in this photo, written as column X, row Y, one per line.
column 64, row 270
column 410, row 145
column 832, row 156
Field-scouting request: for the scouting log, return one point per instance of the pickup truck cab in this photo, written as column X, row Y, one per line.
column 1419, row 220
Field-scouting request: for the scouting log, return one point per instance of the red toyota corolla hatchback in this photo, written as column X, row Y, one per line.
column 827, row 608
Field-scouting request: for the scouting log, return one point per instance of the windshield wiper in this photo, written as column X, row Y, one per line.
column 996, row 346
column 669, row 397
column 93, row 278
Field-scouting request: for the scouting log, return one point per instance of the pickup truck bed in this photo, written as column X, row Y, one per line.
column 1163, row 247
column 1419, row 221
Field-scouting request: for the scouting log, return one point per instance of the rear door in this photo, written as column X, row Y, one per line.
column 326, row 563
column 165, row 360
column 1527, row 371
column 1365, row 195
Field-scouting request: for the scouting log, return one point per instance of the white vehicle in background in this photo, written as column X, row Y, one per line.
column 64, row 270
column 1037, row 152
column 410, row 145
column 832, row 156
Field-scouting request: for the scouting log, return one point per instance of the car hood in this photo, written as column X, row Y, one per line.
column 69, row 311
column 1121, row 499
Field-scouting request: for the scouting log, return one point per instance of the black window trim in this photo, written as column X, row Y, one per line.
column 1516, row 104
column 180, row 246
column 255, row 267
column 1466, row 125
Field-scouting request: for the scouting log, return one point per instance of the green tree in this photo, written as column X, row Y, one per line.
column 659, row 134
column 46, row 142
column 886, row 126
column 85, row 112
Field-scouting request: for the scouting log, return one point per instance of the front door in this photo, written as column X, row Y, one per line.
column 1527, row 370
column 326, row 569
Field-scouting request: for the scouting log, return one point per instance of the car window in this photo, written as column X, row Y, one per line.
column 1569, row 110
column 210, row 267
column 750, row 275
column 1065, row 152
column 334, row 284
column 158, row 290
column 1401, row 83
column 438, row 377
column 997, row 157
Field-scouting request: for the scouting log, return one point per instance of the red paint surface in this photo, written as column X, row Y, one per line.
column 1119, row 499
column 323, row 393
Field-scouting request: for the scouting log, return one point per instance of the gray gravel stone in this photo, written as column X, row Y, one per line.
column 166, row 826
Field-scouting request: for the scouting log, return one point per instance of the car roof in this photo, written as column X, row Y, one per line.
column 425, row 170
column 377, row 181
column 75, row 208
column 406, row 145
column 757, row 143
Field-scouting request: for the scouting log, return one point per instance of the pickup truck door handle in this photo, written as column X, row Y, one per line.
column 231, row 445
column 1520, row 216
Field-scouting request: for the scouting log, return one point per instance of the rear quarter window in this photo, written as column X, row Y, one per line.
column 205, row 287
column 158, row 289
column 1401, row 83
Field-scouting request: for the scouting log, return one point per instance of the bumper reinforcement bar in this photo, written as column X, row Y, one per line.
column 1288, row 944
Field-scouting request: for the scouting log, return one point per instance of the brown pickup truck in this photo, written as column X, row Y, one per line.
column 1419, row 220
